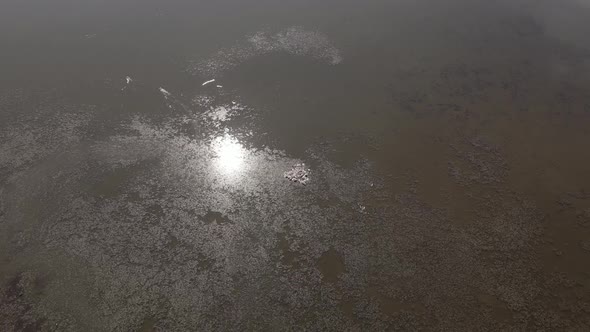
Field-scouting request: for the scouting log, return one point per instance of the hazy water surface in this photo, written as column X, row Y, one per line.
column 144, row 147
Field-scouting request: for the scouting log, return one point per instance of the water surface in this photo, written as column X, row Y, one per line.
column 445, row 143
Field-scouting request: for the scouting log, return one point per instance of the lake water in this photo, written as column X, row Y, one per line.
column 438, row 152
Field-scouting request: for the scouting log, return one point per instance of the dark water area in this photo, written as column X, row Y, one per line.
column 354, row 166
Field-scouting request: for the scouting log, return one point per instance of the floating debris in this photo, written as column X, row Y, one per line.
column 219, row 86
column 128, row 80
column 362, row 208
column 209, row 81
column 298, row 174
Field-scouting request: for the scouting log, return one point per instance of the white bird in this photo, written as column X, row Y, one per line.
column 164, row 92
column 209, row 81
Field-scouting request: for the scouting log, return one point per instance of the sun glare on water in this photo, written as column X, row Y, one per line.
column 230, row 155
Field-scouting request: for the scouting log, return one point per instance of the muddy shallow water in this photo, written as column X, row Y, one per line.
column 442, row 146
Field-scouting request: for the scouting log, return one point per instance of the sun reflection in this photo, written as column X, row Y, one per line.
column 230, row 155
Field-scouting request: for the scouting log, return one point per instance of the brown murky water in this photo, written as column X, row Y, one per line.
column 445, row 146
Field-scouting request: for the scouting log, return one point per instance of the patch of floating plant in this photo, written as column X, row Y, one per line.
column 294, row 40
column 298, row 173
